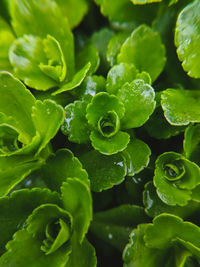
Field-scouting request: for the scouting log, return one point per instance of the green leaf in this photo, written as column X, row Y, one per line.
column 14, row 169
column 137, row 254
column 61, row 166
column 175, row 177
column 38, row 62
column 41, row 18
column 86, row 254
column 114, row 225
column 100, row 40
column 75, row 125
column 142, row 95
column 6, row 39
column 77, row 200
column 77, row 79
column 18, row 206
column 47, row 117
column 104, row 171
column 74, row 14
column 17, row 102
column 142, row 2
column 155, row 206
column 158, row 127
column 187, row 39
column 136, row 156
column 91, row 86
column 118, row 75
column 100, row 105
column 88, row 53
column 24, row 250
column 52, row 226
column 145, row 50
column 109, row 145
column 191, row 143
column 114, row 46
column 123, row 11
column 181, row 106
column 56, row 67
column 166, row 228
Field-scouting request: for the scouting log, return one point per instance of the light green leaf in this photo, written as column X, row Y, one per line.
column 145, row 50
column 118, row 75
column 114, row 225
column 61, row 166
column 143, row 2
column 187, row 38
column 136, row 156
column 38, row 62
column 6, row 39
column 14, row 169
column 104, row 171
column 17, row 102
column 18, row 206
column 44, row 17
column 142, row 95
column 76, row 80
column 56, row 67
column 74, row 14
column 109, row 145
column 75, row 125
column 77, row 200
column 91, row 86
column 100, row 105
column 24, row 250
column 181, row 106
column 47, row 117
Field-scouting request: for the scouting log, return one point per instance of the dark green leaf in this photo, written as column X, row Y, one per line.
column 137, row 156
column 115, row 225
column 104, row 171
column 61, row 166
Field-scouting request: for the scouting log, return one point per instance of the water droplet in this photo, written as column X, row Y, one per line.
column 110, row 236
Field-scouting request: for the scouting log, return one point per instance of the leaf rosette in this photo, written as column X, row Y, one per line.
column 175, row 178
column 104, row 117
column 54, row 231
column 168, row 241
column 25, row 131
